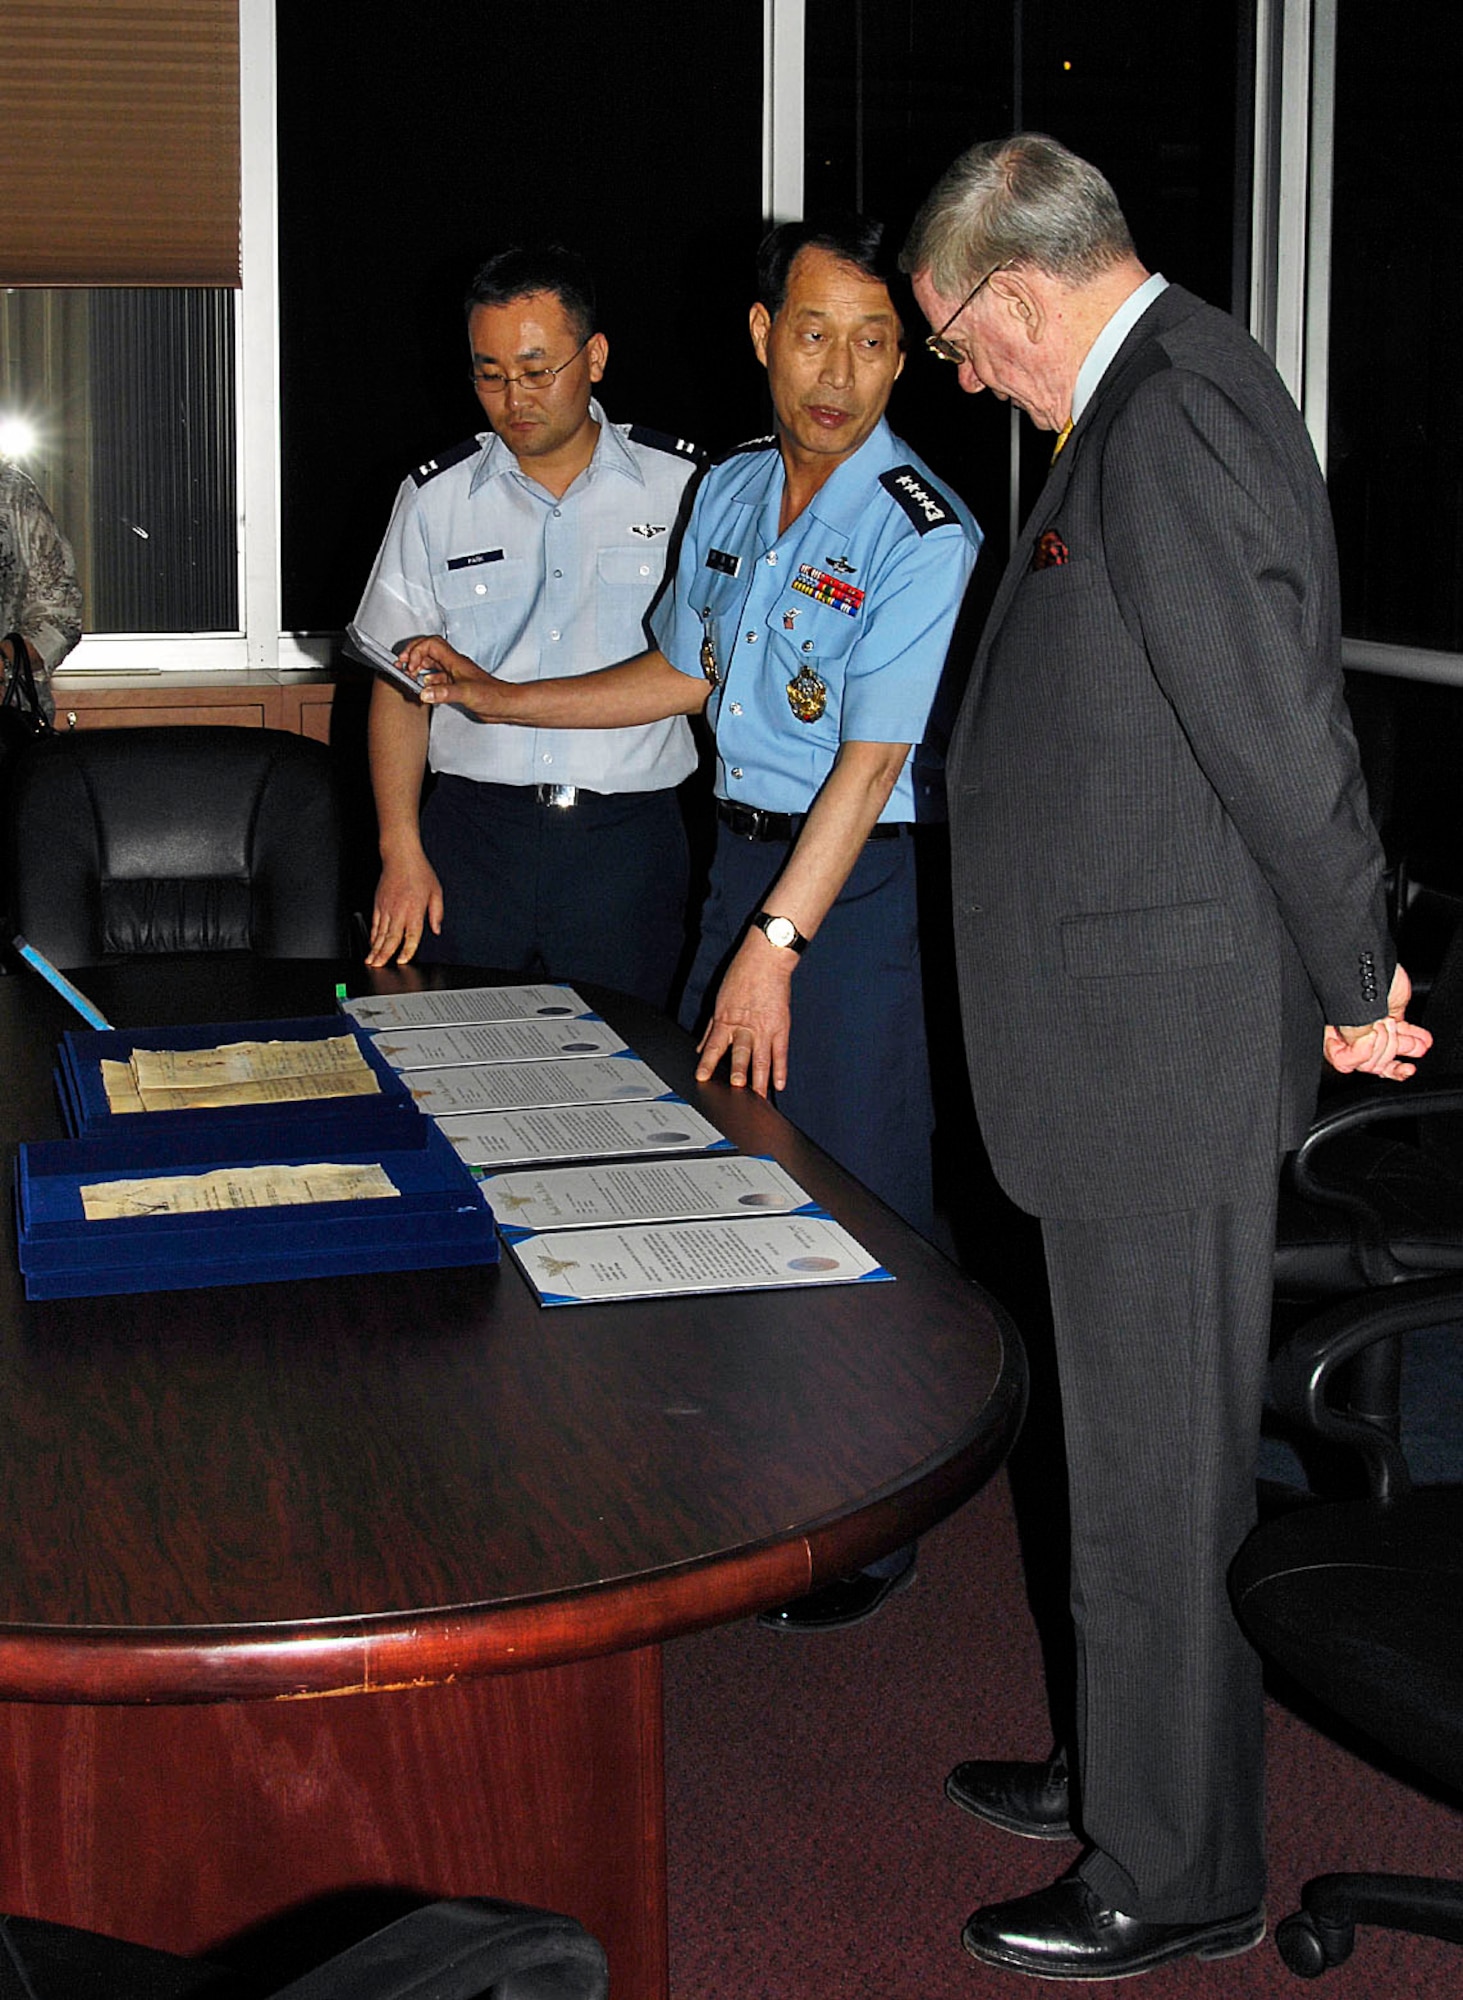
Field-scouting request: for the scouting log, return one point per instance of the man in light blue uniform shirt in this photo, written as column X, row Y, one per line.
column 814, row 599
column 535, row 549
column 828, row 632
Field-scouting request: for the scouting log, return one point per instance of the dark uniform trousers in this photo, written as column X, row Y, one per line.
column 1161, row 1326
column 593, row 891
column 858, row 1068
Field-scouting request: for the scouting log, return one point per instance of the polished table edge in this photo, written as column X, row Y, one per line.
column 138, row 1665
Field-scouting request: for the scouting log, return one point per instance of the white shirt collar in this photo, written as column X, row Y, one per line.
column 1104, row 348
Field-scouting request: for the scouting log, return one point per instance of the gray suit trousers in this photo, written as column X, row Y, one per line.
column 1161, row 1325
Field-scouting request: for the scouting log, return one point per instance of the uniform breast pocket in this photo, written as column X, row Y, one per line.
column 625, row 582
column 484, row 606
column 807, row 671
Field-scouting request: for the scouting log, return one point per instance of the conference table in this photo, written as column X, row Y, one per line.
column 317, row 1591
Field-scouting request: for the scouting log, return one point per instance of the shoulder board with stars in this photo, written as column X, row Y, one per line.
column 663, row 441
column 751, row 444
column 925, row 505
column 454, row 455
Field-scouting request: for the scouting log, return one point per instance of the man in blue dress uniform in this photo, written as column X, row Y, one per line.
column 814, row 599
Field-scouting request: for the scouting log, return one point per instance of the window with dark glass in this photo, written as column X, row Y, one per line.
column 1396, row 389
column 407, row 157
column 1159, row 101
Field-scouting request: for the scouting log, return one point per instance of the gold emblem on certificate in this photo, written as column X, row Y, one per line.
column 807, row 695
column 708, row 649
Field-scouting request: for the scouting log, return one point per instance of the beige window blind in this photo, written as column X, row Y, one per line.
column 119, row 142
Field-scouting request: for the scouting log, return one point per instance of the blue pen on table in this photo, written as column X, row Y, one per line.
column 92, row 1015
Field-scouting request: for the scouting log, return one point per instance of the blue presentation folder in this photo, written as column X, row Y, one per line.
column 437, row 1218
column 335, row 1121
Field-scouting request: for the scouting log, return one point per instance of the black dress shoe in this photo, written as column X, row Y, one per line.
column 1068, row 1932
column 848, row 1600
column 1029, row 1799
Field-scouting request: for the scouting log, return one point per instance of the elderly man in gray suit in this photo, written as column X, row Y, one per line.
column 1166, row 881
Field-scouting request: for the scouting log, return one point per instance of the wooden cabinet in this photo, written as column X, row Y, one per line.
column 313, row 709
column 300, row 703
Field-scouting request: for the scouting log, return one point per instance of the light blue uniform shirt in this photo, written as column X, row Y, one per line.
column 534, row 588
column 863, row 589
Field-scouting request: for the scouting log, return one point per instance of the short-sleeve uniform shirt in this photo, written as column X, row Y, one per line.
column 859, row 598
column 533, row 588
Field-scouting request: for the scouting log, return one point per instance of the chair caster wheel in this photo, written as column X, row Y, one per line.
column 1308, row 1949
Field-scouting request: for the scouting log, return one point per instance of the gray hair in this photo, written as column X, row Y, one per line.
column 1023, row 200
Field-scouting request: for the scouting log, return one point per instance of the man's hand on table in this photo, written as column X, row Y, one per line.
column 408, row 900
column 751, row 1018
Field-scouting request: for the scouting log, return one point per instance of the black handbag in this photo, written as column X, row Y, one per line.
column 22, row 718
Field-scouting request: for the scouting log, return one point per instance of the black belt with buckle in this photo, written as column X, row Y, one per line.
column 562, row 796
column 752, row 823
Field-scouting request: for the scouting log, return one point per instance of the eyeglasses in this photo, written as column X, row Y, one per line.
column 493, row 382
column 946, row 350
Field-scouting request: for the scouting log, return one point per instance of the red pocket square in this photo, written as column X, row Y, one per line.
column 1050, row 552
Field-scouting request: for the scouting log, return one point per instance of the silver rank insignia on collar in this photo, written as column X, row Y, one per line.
column 807, row 694
column 708, row 649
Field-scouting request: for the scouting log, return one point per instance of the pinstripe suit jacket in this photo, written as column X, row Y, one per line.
column 1165, row 873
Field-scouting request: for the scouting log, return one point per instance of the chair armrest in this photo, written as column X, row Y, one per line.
column 1390, row 1105
column 457, row 1950
column 1301, row 1371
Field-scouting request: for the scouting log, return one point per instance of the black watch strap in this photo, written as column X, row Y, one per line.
column 781, row 931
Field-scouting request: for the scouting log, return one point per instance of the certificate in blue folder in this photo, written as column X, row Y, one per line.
column 337, row 1120
column 436, row 1217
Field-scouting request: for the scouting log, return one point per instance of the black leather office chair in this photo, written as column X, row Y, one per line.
column 123, row 841
column 459, row 1950
column 1374, row 1197
column 1361, row 1602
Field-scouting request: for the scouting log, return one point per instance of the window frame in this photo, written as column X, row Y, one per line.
column 1291, row 225
column 259, row 645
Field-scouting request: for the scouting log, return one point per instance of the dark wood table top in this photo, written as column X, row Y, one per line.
column 355, row 1483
